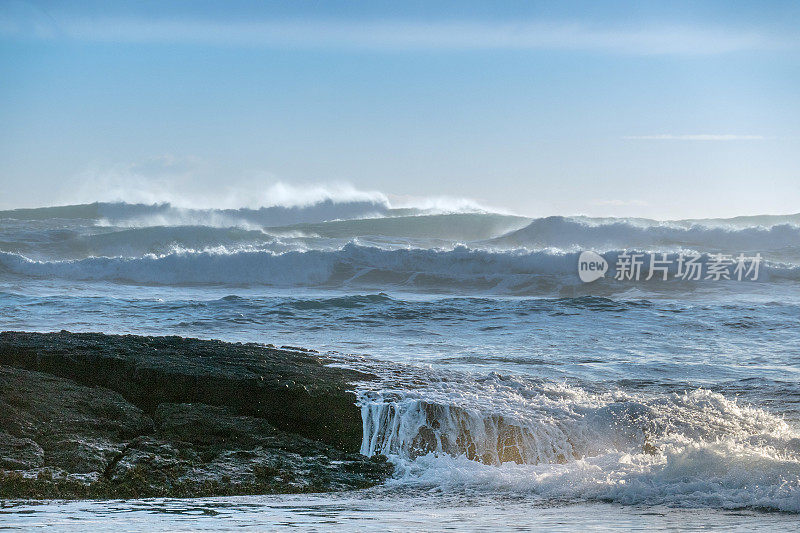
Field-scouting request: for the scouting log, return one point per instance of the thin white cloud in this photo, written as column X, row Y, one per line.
column 696, row 137
column 393, row 35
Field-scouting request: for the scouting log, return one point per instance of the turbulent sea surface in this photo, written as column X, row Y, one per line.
column 510, row 393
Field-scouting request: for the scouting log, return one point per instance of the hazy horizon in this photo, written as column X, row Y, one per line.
column 316, row 194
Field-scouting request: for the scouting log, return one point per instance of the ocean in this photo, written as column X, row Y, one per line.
column 510, row 392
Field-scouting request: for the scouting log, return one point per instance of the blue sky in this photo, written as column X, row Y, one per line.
column 655, row 109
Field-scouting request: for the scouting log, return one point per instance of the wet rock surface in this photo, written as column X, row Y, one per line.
column 105, row 416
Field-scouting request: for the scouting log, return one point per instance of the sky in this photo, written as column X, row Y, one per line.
column 652, row 109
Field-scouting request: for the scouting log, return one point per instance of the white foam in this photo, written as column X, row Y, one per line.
column 561, row 442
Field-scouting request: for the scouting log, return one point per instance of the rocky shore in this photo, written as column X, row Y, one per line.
column 88, row 415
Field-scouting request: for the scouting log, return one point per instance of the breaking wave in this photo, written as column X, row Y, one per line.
column 504, row 434
column 77, row 242
column 134, row 230
column 458, row 269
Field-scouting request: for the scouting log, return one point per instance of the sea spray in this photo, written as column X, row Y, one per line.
column 692, row 449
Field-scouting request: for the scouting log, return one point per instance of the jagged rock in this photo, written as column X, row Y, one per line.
column 61, row 438
column 294, row 391
column 197, row 445
column 76, row 428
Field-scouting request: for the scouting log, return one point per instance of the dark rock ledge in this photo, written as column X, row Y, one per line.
column 88, row 415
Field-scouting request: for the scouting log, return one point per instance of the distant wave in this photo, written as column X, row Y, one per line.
column 165, row 244
column 165, row 214
column 53, row 240
column 123, row 214
column 354, row 266
column 138, row 242
column 566, row 233
column 459, row 227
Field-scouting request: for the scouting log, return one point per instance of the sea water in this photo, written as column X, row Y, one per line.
column 510, row 393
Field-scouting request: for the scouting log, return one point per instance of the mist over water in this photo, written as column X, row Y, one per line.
column 500, row 373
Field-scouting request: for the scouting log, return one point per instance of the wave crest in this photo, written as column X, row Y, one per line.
column 567, row 233
column 514, row 272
